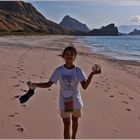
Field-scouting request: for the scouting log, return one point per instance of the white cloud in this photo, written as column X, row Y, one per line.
column 135, row 18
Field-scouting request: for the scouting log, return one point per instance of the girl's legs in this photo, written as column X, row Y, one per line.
column 67, row 118
column 66, row 122
column 74, row 126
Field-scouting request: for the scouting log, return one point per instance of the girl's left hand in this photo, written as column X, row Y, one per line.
column 96, row 69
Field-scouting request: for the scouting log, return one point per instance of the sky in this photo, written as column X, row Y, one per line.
column 93, row 13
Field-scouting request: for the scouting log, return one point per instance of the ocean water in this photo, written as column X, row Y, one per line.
column 118, row 47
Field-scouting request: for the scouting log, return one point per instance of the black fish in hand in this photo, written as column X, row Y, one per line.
column 24, row 98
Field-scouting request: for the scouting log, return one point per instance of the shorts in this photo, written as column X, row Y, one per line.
column 76, row 113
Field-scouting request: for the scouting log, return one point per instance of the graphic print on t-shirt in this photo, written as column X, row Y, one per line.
column 68, row 81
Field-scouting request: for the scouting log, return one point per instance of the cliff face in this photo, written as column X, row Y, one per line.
column 109, row 30
column 73, row 24
column 19, row 16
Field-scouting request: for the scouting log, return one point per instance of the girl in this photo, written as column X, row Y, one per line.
column 70, row 101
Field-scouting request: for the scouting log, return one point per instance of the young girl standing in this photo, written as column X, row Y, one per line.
column 70, row 101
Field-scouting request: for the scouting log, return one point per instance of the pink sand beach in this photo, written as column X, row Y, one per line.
column 111, row 102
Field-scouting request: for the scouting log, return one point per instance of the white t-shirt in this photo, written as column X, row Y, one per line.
column 69, row 80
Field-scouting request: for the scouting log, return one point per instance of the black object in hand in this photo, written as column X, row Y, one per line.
column 26, row 96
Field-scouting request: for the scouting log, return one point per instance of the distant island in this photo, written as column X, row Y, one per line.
column 135, row 32
column 109, row 30
column 19, row 17
column 73, row 24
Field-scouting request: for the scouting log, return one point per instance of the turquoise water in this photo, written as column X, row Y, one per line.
column 118, row 47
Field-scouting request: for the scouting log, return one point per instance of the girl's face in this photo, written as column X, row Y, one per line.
column 69, row 56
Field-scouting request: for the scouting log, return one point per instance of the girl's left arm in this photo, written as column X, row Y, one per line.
column 86, row 83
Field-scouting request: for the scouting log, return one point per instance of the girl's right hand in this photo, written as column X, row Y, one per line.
column 31, row 85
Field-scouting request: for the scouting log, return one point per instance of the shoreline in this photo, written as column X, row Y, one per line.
column 86, row 46
column 56, row 40
column 104, row 54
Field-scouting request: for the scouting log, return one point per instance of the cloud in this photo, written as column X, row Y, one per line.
column 135, row 18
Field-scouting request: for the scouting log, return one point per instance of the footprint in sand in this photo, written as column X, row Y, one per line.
column 131, row 98
column 105, row 90
column 18, row 63
column 105, row 79
column 21, row 81
column 22, row 62
column 96, row 84
column 120, row 92
column 24, row 90
column 34, row 75
column 128, row 109
column 23, row 73
column 17, row 71
column 23, row 105
column 19, row 74
column 111, row 96
column 125, row 102
column 16, row 85
column 16, row 113
column 13, row 115
column 116, row 130
column 14, row 77
column 21, row 70
column 19, row 128
column 16, row 97
column 108, row 88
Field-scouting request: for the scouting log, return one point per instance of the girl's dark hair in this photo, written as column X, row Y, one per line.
column 71, row 48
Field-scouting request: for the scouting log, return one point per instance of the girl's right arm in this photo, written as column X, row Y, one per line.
column 43, row 85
